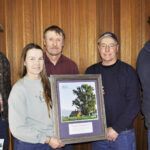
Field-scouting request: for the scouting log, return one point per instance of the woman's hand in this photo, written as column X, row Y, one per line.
column 54, row 142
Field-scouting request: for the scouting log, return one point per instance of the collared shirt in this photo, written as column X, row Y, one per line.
column 5, row 81
column 63, row 66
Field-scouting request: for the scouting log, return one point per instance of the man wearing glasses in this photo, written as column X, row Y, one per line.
column 121, row 95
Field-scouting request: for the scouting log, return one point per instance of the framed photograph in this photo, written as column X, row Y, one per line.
column 78, row 108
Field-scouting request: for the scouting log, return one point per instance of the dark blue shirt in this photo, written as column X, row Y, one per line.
column 122, row 93
column 143, row 69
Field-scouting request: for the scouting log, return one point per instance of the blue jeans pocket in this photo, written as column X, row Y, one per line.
column 125, row 141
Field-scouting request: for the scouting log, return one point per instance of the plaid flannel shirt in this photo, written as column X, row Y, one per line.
column 5, row 82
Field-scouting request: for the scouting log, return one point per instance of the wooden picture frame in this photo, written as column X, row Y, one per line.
column 78, row 108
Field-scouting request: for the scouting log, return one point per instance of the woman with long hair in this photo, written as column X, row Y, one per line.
column 30, row 104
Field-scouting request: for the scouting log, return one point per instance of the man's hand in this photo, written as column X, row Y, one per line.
column 111, row 134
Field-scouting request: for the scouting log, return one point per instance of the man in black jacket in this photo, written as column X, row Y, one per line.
column 5, row 87
column 143, row 69
column 121, row 98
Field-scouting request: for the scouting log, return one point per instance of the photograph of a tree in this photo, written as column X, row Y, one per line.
column 86, row 100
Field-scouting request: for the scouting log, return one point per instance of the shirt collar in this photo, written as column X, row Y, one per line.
column 60, row 60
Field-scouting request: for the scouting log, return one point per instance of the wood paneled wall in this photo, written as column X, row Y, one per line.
column 82, row 21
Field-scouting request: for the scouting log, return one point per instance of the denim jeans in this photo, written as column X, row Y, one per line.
column 4, row 133
column 125, row 141
column 20, row 145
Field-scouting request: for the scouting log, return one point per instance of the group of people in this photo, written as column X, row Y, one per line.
column 30, row 104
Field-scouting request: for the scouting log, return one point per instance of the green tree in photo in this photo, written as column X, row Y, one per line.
column 86, row 99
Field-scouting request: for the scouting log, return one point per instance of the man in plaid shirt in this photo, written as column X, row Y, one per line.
column 5, row 87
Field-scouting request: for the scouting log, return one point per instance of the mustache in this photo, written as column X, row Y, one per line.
column 54, row 54
column 54, row 47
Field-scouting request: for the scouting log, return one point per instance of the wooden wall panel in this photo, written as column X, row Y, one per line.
column 131, row 30
column 82, row 21
column 17, row 35
column 74, row 30
column 28, row 21
column 87, row 34
column 145, row 13
column 125, row 31
column 136, row 26
column 55, row 11
column 65, row 24
column 108, row 16
column 45, row 12
column 83, row 34
column 38, row 22
column 91, row 33
column 8, row 27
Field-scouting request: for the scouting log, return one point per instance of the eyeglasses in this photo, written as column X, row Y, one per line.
column 104, row 46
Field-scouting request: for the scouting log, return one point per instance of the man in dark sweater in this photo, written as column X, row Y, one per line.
column 143, row 69
column 121, row 95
